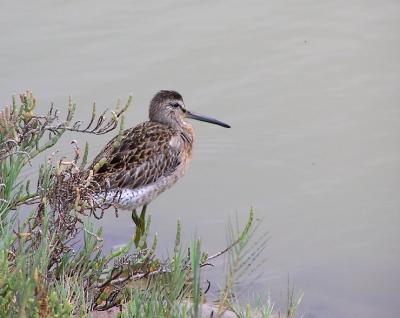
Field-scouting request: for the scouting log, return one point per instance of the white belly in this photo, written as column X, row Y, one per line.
column 127, row 199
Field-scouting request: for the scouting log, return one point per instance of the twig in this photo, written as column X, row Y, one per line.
column 224, row 250
column 99, row 239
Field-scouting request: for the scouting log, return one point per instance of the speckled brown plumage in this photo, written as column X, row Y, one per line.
column 143, row 155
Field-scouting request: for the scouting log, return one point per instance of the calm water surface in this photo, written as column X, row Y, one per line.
column 312, row 91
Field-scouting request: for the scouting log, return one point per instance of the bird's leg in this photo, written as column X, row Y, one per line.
column 140, row 224
column 143, row 217
column 135, row 217
column 136, row 220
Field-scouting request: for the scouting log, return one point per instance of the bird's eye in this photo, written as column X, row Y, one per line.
column 175, row 105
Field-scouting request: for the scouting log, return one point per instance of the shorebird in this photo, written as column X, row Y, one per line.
column 149, row 158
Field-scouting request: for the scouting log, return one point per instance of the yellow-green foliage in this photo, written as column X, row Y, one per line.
column 51, row 261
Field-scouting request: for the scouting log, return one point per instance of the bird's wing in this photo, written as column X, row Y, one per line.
column 141, row 157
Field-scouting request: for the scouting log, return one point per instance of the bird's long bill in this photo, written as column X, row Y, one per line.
column 206, row 119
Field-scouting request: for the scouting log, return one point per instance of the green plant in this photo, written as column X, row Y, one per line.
column 44, row 272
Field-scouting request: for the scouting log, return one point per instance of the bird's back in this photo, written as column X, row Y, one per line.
column 141, row 157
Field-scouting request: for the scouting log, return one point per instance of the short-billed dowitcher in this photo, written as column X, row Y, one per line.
column 149, row 158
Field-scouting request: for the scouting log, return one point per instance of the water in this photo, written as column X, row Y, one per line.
column 311, row 89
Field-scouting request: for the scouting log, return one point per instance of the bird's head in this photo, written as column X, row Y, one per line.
column 167, row 107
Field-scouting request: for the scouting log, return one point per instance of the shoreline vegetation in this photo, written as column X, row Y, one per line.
column 51, row 261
